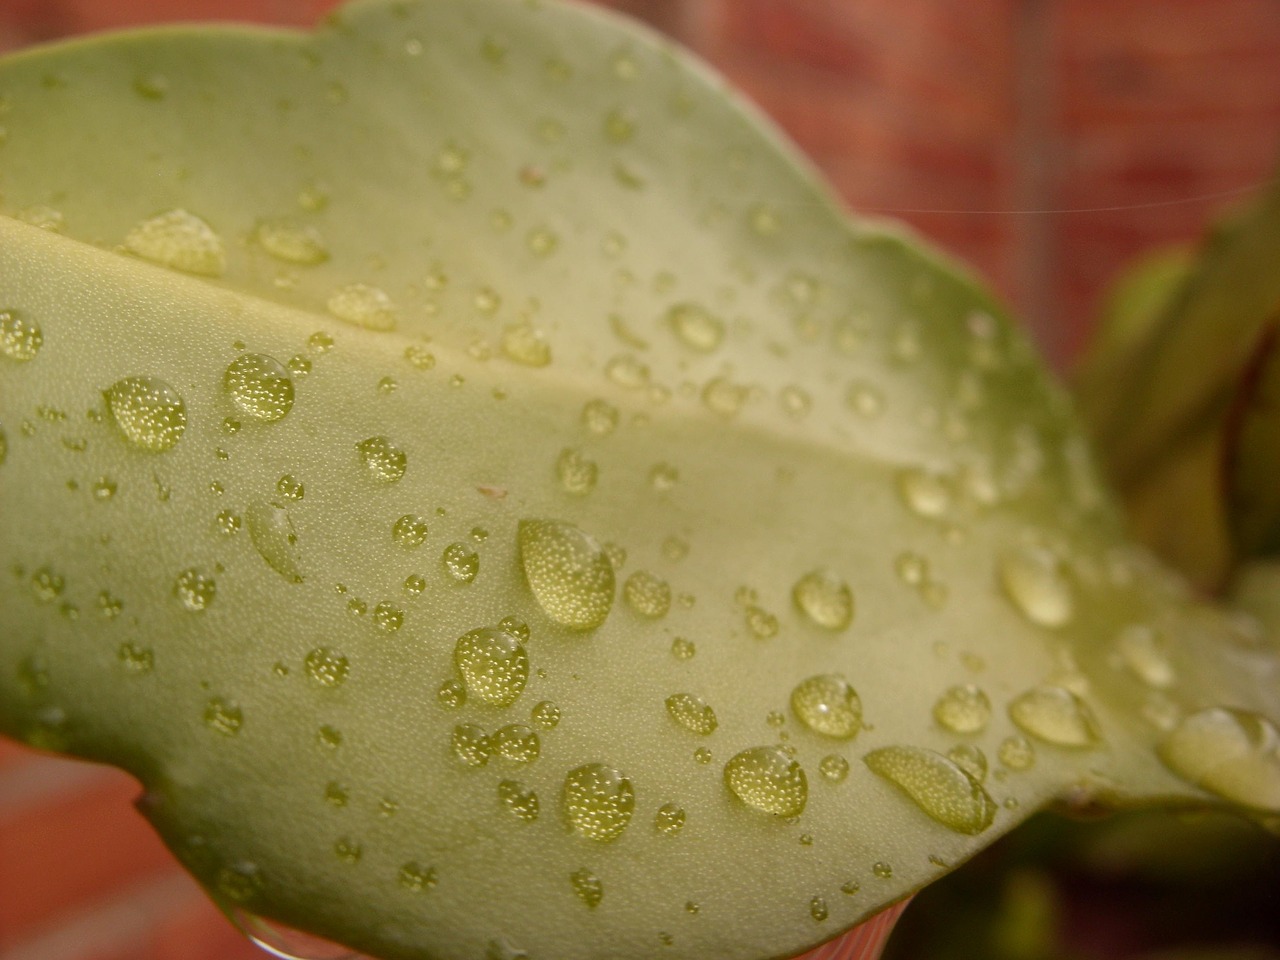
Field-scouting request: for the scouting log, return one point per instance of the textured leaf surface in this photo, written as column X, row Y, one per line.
column 494, row 499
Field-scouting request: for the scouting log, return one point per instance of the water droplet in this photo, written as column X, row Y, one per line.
column 517, row 742
column 259, row 386
column 336, row 794
column 963, row 709
column 1140, row 648
column 385, row 461
column 1233, row 753
column 136, row 659
column 471, row 744
column 493, row 664
column 647, row 595
column 849, row 888
column 626, row 371
column 293, row 242
column 1056, row 716
column 452, row 694
column 576, row 473
column 414, row 584
column 194, row 589
column 587, row 887
column 692, row 713
column 347, row 850
column 568, row 572
column 826, row 704
column 419, row 358
column 104, row 488
column 669, row 820
column 1016, row 753
column 518, row 800
column 272, row 534
column 223, row 716
column 864, row 399
column 179, row 240
column 702, row 755
column 912, row 568
column 925, row 492
column 290, row 487
column 461, row 562
column 818, row 909
column 20, row 338
column 683, row 649
column 329, row 736
column 882, row 870
column 834, row 768
column 795, row 402
column 409, row 531
column 148, row 411
column 417, row 878
column 723, row 397
column 696, row 326
column 769, row 780
column 940, row 788
column 363, row 306
column 1034, row 580
column 825, row 599
column 762, row 624
column 545, row 714
column 326, row 667
column 598, row 801
column 525, row 345
column 599, row 417
column 619, row 126
column 239, row 882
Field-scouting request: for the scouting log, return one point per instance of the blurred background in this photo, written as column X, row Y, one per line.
column 1046, row 143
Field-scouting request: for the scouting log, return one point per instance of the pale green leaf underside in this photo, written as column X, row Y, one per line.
column 527, row 183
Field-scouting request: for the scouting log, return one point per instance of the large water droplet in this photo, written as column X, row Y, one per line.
column 568, row 572
column 647, row 595
column 587, row 887
column 1233, row 753
column 598, row 801
column 292, row 242
column 825, row 599
column 1056, row 716
column 939, row 787
column 385, row 461
column 826, row 704
column 179, row 240
column 1034, row 580
column 520, row 801
column 194, row 589
column 148, row 411
column 363, row 306
column 692, row 713
column 272, row 534
column 494, row 665
column 769, row 780
column 259, row 386
column 696, row 326
column 963, row 709
column 20, row 338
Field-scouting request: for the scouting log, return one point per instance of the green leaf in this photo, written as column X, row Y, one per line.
column 494, row 498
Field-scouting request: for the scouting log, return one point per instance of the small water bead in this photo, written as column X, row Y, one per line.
column 683, row 648
column 20, row 337
column 882, row 870
column 828, row 705
column 410, row 531
column 669, row 820
column 460, row 562
column 850, row 888
column 259, row 387
column 1055, row 715
column 239, row 882
column 109, row 605
column 626, row 371
column 364, row 306
column 940, row 788
column 864, row 399
column 1233, row 753
column 695, row 326
column 576, row 473
column 1034, row 580
column 136, row 659
column 722, row 397
column 598, row 801
column 762, row 624
column 525, row 345
column 963, row 709
column 181, row 241
column 494, row 665
column 795, row 402
column 290, row 487
column 291, row 241
column 416, row 878
column 969, row 758
column 419, row 358
column 452, row 694
column 767, row 779
column 385, row 461
column 647, row 595
column 776, row 719
column 47, row 585
column 518, row 800
column 925, row 492
column 347, row 850
column 148, row 412
column 1140, row 648
column 692, row 713
column 568, row 572
column 471, row 744
column 587, row 887
column 834, row 768
column 414, row 584
column 299, row 366
column 825, row 599
column 223, row 716
column 194, row 589
column 912, row 568
column 1016, row 753
column 272, row 533
column 104, row 488
column 545, row 714
column 327, row 667
column 329, row 736
column 517, row 743
column 818, row 909
column 702, row 755
column 336, row 794
column 599, row 417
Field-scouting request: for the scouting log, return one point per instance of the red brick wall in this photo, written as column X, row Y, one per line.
column 976, row 121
